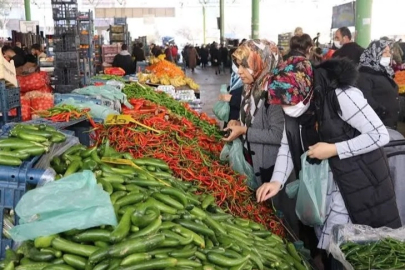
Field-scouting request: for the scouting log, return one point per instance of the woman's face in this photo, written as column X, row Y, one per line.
column 387, row 52
column 244, row 73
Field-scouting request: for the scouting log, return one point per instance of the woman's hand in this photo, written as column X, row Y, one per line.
column 225, row 97
column 236, row 132
column 322, row 151
column 233, row 123
column 267, row 191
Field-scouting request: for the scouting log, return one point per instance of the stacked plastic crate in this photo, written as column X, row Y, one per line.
column 86, row 32
column 66, row 46
column 10, row 103
column 119, row 31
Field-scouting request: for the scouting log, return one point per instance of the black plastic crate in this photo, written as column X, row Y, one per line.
column 66, row 60
column 66, row 64
column 84, row 39
column 66, row 56
column 61, row 30
column 63, row 89
column 66, row 76
column 82, row 131
column 64, row 11
column 67, row 43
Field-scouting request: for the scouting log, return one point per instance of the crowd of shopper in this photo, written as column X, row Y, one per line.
column 338, row 107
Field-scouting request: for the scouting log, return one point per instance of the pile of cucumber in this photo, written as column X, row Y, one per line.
column 26, row 141
column 162, row 224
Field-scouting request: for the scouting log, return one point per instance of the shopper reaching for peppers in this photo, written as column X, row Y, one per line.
column 260, row 124
column 332, row 120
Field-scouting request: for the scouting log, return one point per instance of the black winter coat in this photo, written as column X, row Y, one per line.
column 381, row 93
column 351, row 51
column 234, row 103
column 139, row 54
column 125, row 62
column 215, row 57
column 364, row 180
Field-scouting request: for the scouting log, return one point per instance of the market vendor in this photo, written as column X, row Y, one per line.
column 260, row 124
column 37, row 51
column 359, row 186
column 9, row 54
column 124, row 60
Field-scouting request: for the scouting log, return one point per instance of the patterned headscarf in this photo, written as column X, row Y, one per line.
column 371, row 56
column 292, row 81
column 260, row 56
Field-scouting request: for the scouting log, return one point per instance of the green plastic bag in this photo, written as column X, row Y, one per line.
column 311, row 191
column 233, row 152
column 74, row 202
column 221, row 108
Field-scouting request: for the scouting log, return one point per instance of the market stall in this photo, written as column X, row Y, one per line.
column 169, row 201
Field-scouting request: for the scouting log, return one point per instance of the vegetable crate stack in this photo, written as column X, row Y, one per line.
column 10, row 102
column 98, row 59
column 119, row 31
column 66, row 46
column 86, row 25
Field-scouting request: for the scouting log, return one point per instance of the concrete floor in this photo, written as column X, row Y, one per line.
column 210, row 84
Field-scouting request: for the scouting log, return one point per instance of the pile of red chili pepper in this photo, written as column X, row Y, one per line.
column 63, row 113
column 190, row 153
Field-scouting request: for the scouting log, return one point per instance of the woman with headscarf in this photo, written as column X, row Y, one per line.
column 346, row 131
column 259, row 123
column 234, row 96
column 377, row 83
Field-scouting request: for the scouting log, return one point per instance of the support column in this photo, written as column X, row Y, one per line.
column 27, row 6
column 255, row 19
column 222, row 20
column 204, row 25
column 363, row 22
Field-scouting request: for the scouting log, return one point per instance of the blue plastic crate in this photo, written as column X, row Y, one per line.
column 14, row 182
column 10, row 97
column 9, row 197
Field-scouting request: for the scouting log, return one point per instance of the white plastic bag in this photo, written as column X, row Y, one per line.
column 56, row 149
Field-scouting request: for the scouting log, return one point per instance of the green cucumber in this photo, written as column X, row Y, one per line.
column 92, row 235
column 10, row 161
column 75, row 261
column 224, row 261
column 151, row 228
column 73, row 167
column 14, row 143
column 73, row 248
column 154, row 264
column 123, row 228
column 135, row 259
column 140, row 244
